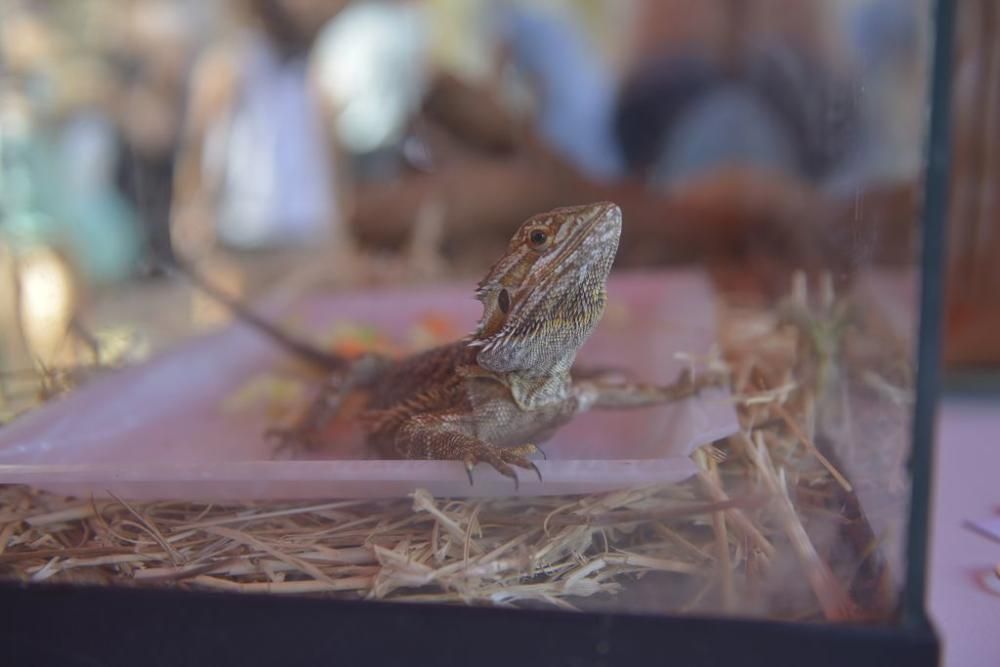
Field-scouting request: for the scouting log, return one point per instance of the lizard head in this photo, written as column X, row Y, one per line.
column 547, row 293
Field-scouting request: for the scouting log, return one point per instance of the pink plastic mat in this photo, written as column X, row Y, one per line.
column 160, row 430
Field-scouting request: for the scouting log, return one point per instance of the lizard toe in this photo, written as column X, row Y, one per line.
column 521, row 451
column 470, row 463
column 514, row 457
column 492, row 458
column 505, row 470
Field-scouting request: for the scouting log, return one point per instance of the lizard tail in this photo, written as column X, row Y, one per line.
column 242, row 312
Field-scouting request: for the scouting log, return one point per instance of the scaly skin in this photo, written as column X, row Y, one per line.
column 493, row 396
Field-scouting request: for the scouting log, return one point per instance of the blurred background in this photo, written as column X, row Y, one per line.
column 281, row 143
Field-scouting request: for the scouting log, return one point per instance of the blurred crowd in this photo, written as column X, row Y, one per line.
column 133, row 129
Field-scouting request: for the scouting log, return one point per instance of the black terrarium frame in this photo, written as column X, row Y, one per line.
column 81, row 625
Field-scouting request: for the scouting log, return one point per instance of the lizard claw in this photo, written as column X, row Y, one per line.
column 469, row 465
column 502, row 460
column 498, row 464
column 518, row 456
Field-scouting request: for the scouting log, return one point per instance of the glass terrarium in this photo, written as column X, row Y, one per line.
column 614, row 321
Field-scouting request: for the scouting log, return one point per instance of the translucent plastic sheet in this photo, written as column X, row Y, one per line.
column 163, row 429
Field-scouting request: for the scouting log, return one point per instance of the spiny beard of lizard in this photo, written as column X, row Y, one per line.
column 546, row 295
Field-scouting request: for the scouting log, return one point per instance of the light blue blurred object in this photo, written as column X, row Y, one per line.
column 276, row 172
column 885, row 32
column 888, row 39
column 577, row 91
column 60, row 194
column 370, row 60
column 730, row 125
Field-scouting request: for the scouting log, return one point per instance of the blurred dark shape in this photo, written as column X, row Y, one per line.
column 651, row 101
column 571, row 83
column 819, row 107
column 473, row 117
column 291, row 26
column 781, row 109
column 146, row 181
column 151, row 62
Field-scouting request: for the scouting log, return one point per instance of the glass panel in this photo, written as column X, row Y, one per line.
column 180, row 177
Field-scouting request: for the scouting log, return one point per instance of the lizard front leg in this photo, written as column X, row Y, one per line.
column 439, row 436
column 611, row 389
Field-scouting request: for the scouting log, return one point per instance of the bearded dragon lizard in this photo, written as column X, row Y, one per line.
column 494, row 395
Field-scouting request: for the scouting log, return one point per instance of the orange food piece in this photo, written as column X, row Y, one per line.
column 439, row 326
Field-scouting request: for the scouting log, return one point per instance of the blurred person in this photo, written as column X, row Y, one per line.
column 373, row 67
column 153, row 59
column 258, row 168
column 58, row 142
column 705, row 85
column 733, row 120
column 887, row 41
column 570, row 80
column 738, row 84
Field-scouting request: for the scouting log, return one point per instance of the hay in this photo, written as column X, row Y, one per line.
column 769, row 526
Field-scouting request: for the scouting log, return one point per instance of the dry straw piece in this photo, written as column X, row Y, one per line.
column 770, row 526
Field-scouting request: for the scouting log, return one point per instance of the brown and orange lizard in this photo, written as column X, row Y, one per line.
column 493, row 396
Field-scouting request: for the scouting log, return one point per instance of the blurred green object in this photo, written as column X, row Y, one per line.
column 84, row 216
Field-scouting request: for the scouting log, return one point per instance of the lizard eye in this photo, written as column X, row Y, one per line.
column 539, row 239
column 503, row 300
